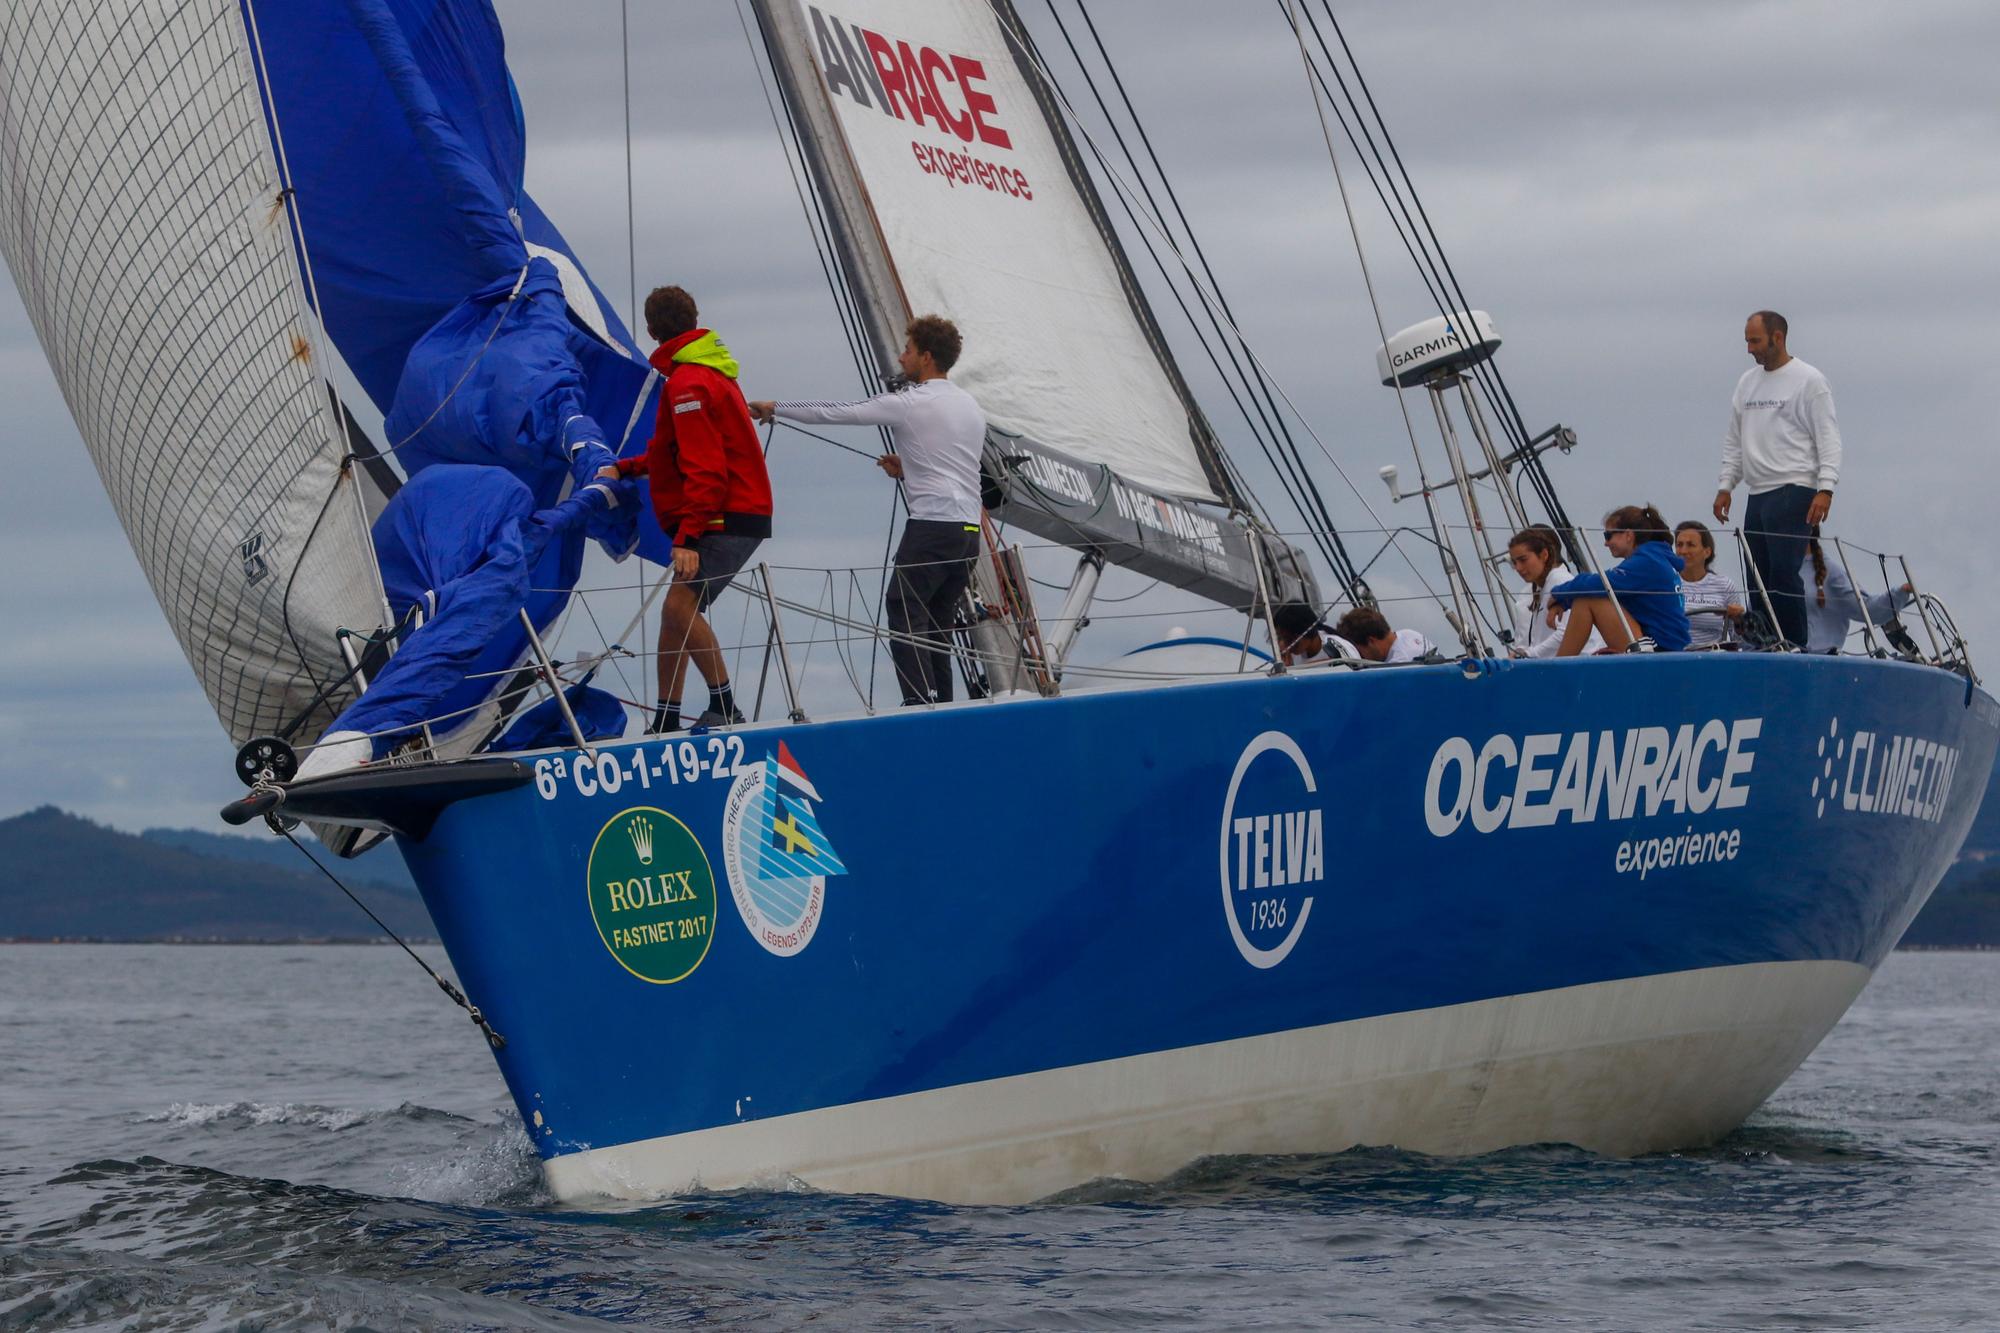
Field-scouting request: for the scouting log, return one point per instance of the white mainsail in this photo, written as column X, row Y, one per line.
column 142, row 215
column 958, row 175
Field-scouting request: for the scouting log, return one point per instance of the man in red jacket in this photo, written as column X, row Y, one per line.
column 710, row 493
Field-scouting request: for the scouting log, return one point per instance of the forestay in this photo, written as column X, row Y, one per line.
column 141, row 214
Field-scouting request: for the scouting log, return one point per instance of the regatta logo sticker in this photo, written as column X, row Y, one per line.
column 1273, row 849
column 652, row 895
column 1909, row 776
column 776, row 854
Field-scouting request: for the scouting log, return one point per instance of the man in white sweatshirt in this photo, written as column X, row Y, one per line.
column 1784, row 443
column 939, row 433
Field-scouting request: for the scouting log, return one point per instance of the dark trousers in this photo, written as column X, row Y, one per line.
column 933, row 564
column 1774, row 529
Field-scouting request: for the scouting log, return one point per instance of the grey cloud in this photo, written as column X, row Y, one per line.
column 1618, row 184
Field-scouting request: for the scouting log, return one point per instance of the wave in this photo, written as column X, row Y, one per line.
column 258, row 1114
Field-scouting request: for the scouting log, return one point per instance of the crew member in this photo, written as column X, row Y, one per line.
column 1368, row 630
column 1304, row 639
column 938, row 431
column 1636, row 602
column 1784, row 443
column 710, row 493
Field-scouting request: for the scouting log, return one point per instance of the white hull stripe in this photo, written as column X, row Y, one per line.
column 1616, row 1067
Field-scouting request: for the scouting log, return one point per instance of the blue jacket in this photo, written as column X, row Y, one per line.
column 1648, row 584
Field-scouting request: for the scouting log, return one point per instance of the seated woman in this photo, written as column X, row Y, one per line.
column 1834, row 607
column 1646, row 581
column 1536, row 554
column 1713, row 602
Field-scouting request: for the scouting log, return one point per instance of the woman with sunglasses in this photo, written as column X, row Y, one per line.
column 1647, row 581
column 1536, row 555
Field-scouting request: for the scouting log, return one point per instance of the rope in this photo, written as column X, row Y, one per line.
column 493, row 1038
column 631, row 225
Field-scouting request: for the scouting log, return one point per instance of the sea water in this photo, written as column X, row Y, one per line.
column 283, row 1137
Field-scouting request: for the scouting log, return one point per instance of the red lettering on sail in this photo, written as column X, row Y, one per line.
column 915, row 83
column 891, row 74
column 979, row 104
column 920, row 88
column 934, row 65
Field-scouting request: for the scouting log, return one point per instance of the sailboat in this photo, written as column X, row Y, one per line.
column 1209, row 906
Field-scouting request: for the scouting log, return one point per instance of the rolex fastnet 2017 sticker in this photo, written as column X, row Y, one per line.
column 652, row 894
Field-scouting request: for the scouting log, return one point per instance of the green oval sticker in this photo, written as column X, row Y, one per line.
column 652, row 894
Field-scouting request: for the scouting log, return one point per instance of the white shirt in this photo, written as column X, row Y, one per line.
column 1827, row 626
column 1408, row 647
column 939, row 432
column 1782, row 431
column 1711, row 589
column 1532, row 633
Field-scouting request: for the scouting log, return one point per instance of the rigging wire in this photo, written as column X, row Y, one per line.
column 847, row 304
column 1283, row 457
column 1257, row 383
column 1487, row 375
column 1454, row 576
column 631, row 208
column 1205, row 293
column 493, row 1038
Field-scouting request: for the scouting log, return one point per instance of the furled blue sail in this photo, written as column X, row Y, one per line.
column 457, row 544
column 461, row 311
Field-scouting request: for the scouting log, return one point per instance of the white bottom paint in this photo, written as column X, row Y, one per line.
column 1617, row 1067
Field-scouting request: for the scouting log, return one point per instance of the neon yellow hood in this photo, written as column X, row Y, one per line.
column 707, row 350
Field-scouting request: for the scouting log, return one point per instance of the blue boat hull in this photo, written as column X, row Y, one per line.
column 984, row 952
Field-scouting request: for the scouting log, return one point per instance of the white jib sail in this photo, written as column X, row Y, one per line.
column 980, row 219
column 140, row 213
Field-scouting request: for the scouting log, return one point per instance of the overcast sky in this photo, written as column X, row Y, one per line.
column 1619, row 184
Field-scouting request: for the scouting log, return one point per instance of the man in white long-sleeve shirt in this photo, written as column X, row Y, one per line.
column 939, row 433
column 1784, row 443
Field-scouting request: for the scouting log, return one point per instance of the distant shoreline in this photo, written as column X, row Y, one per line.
column 343, row 941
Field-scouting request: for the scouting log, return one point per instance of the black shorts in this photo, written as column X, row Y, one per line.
column 723, row 555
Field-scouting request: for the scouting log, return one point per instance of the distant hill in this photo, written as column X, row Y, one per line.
column 64, row 877
column 1985, row 833
column 1963, row 914
column 381, row 866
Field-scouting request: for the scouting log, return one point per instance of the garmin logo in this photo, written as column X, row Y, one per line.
column 1535, row 781
column 1425, row 349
